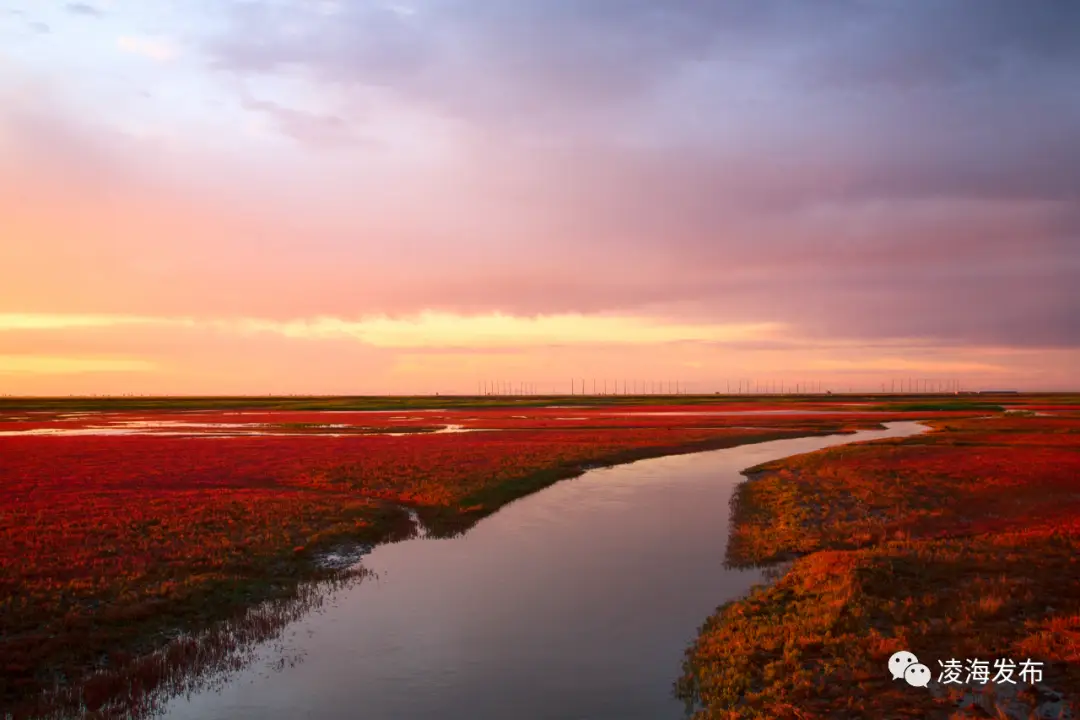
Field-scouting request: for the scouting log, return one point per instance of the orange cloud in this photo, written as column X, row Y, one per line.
column 430, row 329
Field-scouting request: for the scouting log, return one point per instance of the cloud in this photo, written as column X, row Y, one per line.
column 572, row 59
column 44, row 321
column 926, row 43
column 593, row 229
column 322, row 130
column 155, row 48
column 772, row 103
column 426, row 330
column 842, row 169
column 79, row 8
column 442, row 330
column 894, row 365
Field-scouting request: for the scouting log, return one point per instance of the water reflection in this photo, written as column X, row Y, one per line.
column 204, row 662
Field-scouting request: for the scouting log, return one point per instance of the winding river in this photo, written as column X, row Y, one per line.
column 574, row 603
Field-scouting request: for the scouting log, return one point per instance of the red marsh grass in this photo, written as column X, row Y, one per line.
column 652, row 416
column 111, row 545
column 961, row 543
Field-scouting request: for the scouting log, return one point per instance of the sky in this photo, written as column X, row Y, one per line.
column 362, row 197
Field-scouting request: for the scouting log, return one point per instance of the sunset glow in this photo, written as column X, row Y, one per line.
column 363, row 197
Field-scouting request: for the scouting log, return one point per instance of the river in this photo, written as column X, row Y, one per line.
column 574, row 603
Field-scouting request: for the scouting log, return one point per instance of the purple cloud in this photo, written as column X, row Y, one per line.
column 855, row 169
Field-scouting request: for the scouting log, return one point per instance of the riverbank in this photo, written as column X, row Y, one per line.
column 120, row 551
column 963, row 543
